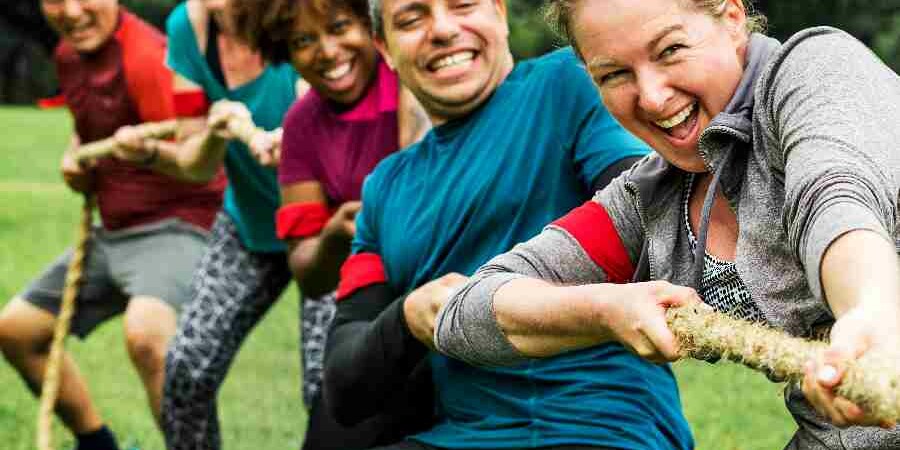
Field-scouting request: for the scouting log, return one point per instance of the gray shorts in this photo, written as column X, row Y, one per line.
column 154, row 260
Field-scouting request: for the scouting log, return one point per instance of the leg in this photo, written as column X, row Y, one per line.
column 232, row 289
column 149, row 326
column 25, row 335
column 315, row 321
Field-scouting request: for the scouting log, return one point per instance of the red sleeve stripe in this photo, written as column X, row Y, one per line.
column 360, row 270
column 301, row 220
column 56, row 101
column 191, row 104
column 591, row 226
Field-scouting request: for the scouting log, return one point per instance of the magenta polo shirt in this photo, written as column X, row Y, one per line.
column 336, row 147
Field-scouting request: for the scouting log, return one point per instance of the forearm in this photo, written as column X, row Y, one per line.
column 370, row 355
column 860, row 270
column 542, row 320
column 512, row 309
column 196, row 159
column 316, row 263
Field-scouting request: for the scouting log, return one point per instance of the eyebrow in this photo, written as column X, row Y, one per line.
column 409, row 7
column 600, row 62
column 663, row 33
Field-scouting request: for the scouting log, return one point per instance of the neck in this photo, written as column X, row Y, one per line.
column 441, row 116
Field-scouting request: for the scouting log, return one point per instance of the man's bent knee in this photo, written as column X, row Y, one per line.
column 25, row 329
column 149, row 326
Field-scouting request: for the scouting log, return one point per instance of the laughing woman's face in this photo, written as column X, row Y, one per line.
column 335, row 54
column 663, row 68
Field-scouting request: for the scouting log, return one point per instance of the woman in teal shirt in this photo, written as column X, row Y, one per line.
column 245, row 267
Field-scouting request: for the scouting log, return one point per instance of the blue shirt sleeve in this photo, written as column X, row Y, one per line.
column 365, row 239
column 182, row 55
column 594, row 136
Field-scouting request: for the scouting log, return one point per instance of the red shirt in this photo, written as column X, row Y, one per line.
column 126, row 82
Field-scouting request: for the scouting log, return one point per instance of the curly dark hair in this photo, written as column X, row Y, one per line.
column 266, row 25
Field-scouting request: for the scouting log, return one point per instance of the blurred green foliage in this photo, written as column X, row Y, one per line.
column 27, row 75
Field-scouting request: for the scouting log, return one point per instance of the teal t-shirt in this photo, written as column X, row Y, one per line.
column 252, row 195
column 473, row 188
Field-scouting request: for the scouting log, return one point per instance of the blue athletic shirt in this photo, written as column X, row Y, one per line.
column 473, row 188
column 252, row 195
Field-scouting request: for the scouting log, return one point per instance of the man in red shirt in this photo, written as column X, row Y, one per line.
column 112, row 74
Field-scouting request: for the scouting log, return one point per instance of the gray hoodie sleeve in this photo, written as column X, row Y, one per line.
column 467, row 329
column 834, row 112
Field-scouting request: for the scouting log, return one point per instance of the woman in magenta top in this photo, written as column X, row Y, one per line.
column 333, row 137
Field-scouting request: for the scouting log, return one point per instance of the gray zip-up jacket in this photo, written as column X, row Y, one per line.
column 807, row 150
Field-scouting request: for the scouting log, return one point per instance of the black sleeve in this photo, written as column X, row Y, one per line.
column 613, row 171
column 371, row 355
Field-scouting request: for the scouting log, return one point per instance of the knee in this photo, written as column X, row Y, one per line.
column 147, row 350
column 20, row 335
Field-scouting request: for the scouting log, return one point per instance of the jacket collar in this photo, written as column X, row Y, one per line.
column 736, row 120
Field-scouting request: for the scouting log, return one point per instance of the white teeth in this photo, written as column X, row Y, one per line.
column 338, row 71
column 453, row 60
column 677, row 118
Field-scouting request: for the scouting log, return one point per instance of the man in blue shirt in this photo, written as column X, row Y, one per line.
column 513, row 148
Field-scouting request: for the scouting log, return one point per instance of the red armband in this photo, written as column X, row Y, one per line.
column 301, row 220
column 191, row 104
column 592, row 227
column 360, row 270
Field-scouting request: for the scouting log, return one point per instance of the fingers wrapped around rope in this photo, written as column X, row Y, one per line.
column 241, row 127
column 872, row 381
column 105, row 147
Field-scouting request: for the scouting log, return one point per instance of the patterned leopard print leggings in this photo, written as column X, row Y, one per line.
column 232, row 290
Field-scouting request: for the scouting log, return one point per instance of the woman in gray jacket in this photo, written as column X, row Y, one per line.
column 772, row 197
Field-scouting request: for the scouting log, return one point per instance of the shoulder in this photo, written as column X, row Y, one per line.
column 814, row 53
column 186, row 21
column 303, row 112
column 178, row 20
column 559, row 68
column 140, row 39
column 559, row 82
column 393, row 168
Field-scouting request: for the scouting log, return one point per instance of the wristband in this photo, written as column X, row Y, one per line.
column 301, row 220
column 358, row 271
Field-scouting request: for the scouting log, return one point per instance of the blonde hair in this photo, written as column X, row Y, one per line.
column 558, row 14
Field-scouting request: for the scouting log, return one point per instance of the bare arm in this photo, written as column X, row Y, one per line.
column 316, row 260
column 861, row 281
column 543, row 298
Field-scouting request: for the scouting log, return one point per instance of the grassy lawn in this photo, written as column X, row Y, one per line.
column 260, row 407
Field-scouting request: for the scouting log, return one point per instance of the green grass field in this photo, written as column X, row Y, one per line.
column 260, row 407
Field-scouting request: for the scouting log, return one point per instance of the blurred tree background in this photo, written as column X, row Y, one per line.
column 26, row 42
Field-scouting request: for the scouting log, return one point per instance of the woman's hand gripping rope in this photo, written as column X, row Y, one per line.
column 863, row 384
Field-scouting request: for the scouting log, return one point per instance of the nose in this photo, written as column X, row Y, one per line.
column 445, row 26
column 329, row 47
column 72, row 8
column 654, row 91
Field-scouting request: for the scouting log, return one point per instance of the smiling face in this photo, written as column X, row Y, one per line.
column 84, row 24
column 664, row 68
column 334, row 54
column 452, row 54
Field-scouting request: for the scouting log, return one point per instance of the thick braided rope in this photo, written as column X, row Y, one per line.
column 242, row 127
column 104, row 147
column 50, row 389
column 872, row 381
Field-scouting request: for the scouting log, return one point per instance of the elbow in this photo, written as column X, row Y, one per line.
column 342, row 396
